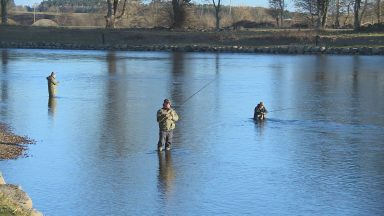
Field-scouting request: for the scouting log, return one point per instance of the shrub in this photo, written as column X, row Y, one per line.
column 252, row 24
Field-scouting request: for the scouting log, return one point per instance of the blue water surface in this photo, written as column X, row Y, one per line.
column 320, row 152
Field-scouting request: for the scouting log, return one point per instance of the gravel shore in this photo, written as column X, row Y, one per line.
column 12, row 146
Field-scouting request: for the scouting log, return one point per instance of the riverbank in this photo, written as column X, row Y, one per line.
column 290, row 41
column 14, row 201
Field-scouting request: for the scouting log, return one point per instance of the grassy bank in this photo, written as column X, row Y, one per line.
column 150, row 37
column 12, row 199
column 9, row 208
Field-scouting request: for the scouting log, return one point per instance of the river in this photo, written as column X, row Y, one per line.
column 320, row 151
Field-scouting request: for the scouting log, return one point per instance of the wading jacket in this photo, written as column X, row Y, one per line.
column 52, row 86
column 259, row 111
column 166, row 119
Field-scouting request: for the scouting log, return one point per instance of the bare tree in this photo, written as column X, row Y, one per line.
column 359, row 13
column 217, row 13
column 179, row 12
column 378, row 11
column 356, row 10
column 340, row 11
column 315, row 8
column 322, row 13
column 277, row 11
column 307, row 7
column 337, row 17
column 4, row 11
column 111, row 18
column 349, row 9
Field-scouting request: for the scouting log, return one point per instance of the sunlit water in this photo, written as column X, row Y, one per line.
column 320, row 152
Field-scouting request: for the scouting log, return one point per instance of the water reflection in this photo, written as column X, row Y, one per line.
column 195, row 89
column 51, row 106
column 4, row 70
column 114, row 113
column 354, row 101
column 4, row 80
column 259, row 125
column 311, row 152
column 166, row 175
column 111, row 62
column 177, row 72
column 4, row 57
column 177, row 91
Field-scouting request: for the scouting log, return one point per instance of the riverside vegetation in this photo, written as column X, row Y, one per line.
column 14, row 201
column 151, row 26
column 282, row 41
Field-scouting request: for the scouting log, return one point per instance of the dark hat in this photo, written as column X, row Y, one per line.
column 167, row 101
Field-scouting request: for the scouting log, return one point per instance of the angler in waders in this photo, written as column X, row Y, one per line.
column 260, row 112
column 166, row 117
column 52, row 83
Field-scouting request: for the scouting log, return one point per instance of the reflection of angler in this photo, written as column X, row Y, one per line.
column 166, row 172
column 52, row 83
column 52, row 105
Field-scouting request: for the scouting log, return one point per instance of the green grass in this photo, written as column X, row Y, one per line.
column 9, row 208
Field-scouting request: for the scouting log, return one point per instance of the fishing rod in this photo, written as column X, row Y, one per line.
column 201, row 89
column 276, row 110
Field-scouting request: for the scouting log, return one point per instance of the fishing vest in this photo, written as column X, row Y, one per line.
column 166, row 119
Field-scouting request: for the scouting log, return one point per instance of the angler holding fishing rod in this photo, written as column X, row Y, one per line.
column 167, row 118
column 52, row 83
column 260, row 112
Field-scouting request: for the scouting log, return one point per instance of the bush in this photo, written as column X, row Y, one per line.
column 300, row 25
column 251, row 24
column 377, row 27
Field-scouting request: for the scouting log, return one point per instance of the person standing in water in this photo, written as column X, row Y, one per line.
column 167, row 118
column 260, row 112
column 52, row 83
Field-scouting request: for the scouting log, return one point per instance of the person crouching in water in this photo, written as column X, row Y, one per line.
column 260, row 112
column 52, row 83
column 166, row 117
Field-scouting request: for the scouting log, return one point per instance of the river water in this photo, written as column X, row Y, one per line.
column 320, row 152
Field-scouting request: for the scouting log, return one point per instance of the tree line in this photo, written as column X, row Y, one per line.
column 316, row 13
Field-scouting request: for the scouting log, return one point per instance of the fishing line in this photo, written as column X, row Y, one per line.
column 201, row 89
column 280, row 110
